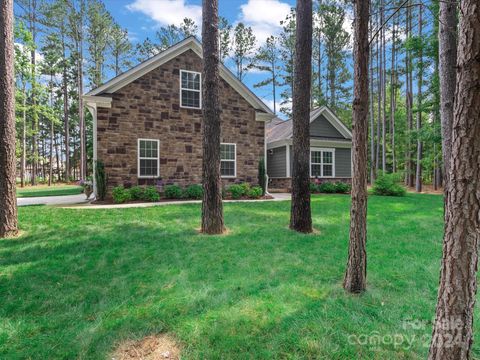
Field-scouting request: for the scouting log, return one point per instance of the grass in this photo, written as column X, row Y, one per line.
column 77, row 282
column 44, row 190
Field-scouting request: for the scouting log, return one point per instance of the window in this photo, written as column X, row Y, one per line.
column 190, row 89
column 148, row 158
column 321, row 163
column 228, row 160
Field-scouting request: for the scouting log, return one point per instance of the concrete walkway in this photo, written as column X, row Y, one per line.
column 53, row 200
column 79, row 202
column 276, row 197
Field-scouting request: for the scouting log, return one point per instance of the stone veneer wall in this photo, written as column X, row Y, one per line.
column 285, row 184
column 150, row 108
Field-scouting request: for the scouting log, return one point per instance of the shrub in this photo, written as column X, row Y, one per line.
column 255, row 192
column 120, row 195
column 101, row 180
column 236, row 191
column 150, row 193
column 313, row 188
column 342, row 188
column 262, row 177
column 387, row 185
column 173, row 192
column 194, row 192
column 246, row 187
column 137, row 192
column 327, row 187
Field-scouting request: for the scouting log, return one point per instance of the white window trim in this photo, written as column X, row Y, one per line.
column 234, row 162
column 199, row 91
column 148, row 158
column 332, row 150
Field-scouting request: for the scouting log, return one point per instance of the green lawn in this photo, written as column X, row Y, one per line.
column 79, row 281
column 43, row 190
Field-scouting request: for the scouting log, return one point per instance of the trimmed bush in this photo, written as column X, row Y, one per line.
column 255, row 192
column 262, row 175
column 387, row 185
column 246, row 187
column 150, row 193
column 342, row 188
column 173, row 192
column 194, row 192
column 236, row 191
column 101, row 180
column 120, row 195
column 137, row 193
column 327, row 188
column 313, row 188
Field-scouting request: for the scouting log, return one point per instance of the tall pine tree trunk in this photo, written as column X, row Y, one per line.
column 452, row 332
column 447, row 61
column 8, row 201
column 418, row 173
column 66, row 124
column 384, row 89
column 372, row 118
column 212, row 207
column 356, row 275
column 23, row 159
column 301, row 217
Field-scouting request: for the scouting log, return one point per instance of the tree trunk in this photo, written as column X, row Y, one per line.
column 384, row 92
column 65, row 114
column 392, row 98
column 356, row 274
column 418, row 173
column 301, row 217
column 379, row 108
column 447, row 62
column 212, row 207
column 23, row 160
column 372, row 120
column 8, row 201
column 52, row 134
column 452, row 332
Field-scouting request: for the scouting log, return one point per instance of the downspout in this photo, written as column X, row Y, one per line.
column 92, row 107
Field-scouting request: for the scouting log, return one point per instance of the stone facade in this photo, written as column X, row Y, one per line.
column 149, row 108
column 285, row 184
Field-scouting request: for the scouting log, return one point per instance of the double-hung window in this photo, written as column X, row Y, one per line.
column 190, row 89
column 322, row 163
column 228, row 160
column 148, row 158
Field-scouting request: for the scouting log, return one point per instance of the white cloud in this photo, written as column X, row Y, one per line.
column 264, row 17
column 166, row 12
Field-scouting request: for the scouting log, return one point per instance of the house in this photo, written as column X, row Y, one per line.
column 330, row 149
column 147, row 122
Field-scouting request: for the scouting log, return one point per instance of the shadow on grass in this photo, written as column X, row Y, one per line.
column 80, row 281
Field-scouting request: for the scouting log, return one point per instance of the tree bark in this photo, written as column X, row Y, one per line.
column 212, row 207
column 23, row 159
column 356, row 274
column 301, row 217
column 65, row 113
column 8, row 201
column 447, row 44
column 452, row 332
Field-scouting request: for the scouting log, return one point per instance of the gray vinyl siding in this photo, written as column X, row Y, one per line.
column 277, row 162
column 321, row 127
column 343, row 162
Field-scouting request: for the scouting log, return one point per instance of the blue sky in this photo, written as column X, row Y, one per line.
column 143, row 17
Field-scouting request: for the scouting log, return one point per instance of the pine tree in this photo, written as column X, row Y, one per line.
column 300, row 215
column 8, row 203
column 243, row 46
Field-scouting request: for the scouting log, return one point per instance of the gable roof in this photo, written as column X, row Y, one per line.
column 190, row 43
column 282, row 130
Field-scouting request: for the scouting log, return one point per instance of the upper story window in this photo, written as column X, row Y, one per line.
column 190, row 89
column 228, row 160
column 148, row 158
column 322, row 163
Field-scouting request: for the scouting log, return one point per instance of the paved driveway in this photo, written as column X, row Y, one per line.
column 53, row 200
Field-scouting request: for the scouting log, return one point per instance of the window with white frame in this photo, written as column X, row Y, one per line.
column 148, row 158
column 321, row 163
column 228, row 160
column 190, row 89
